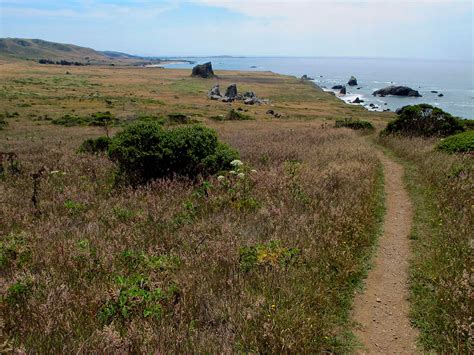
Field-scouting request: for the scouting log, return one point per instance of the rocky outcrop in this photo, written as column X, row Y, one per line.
column 357, row 100
column 397, row 91
column 306, row 77
column 337, row 87
column 231, row 94
column 231, row 91
column 343, row 91
column 352, row 81
column 214, row 93
column 203, row 71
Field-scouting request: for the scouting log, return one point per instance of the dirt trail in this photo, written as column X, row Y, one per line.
column 382, row 310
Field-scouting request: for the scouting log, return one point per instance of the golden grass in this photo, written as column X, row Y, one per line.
column 315, row 190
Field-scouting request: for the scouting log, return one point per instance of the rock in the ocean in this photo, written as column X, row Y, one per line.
column 397, row 91
column 440, row 95
column 343, row 91
column 215, row 91
column 352, row 81
column 357, row 100
column 337, row 87
column 231, row 91
column 306, row 77
column 203, row 71
column 434, row 92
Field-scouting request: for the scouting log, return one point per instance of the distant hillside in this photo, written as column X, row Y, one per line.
column 36, row 49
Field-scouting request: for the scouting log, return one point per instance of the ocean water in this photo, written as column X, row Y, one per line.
column 454, row 79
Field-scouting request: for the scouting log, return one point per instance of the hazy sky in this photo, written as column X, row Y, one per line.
column 373, row 28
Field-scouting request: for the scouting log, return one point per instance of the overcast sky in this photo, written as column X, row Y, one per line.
column 440, row 29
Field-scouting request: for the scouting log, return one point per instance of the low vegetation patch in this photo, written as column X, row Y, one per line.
column 232, row 115
column 355, row 124
column 458, row 143
column 269, row 255
column 137, row 297
column 423, row 120
column 145, row 151
column 103, row 119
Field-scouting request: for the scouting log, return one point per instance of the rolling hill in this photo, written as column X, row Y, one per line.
column 36, row 49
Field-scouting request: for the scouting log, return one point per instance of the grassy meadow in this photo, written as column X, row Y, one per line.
column 264, row 263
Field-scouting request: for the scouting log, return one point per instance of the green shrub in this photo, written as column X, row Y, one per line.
column 423, row 120
column 355, row 124
column 467, row 123
column 137, row 297
column 94, row 146
column 145, row 150
column 18, row 292
column 459, row 143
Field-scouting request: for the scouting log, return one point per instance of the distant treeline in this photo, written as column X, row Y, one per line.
column 60, row 62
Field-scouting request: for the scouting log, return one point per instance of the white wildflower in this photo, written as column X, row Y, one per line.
column 240, row 175
column 253, row 171
column 236, row 163
column 233, row 172
column 54, row 172
column 220, row 178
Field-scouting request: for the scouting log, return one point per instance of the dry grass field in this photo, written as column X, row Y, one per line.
column 266, row 263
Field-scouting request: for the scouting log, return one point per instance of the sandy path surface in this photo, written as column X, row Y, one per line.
column 382, row 310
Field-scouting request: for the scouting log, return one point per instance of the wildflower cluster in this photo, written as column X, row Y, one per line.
column 239, row 185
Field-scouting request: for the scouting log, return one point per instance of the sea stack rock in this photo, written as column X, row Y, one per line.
column 203, row 71
column 352, row 81
column 231, row 91
column 306, row 77
column 337, row 87
column 357, row 100
column 397, row 91
column 343, row 91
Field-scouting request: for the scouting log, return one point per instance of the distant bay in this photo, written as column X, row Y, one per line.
column 453, row 79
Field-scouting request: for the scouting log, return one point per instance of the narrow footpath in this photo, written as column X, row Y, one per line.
column 382, row 310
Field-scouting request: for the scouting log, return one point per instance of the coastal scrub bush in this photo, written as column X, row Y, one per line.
column 459, row 143
column 423, row 120
column 145, row 151
column 94, row 146
column 355, row 124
